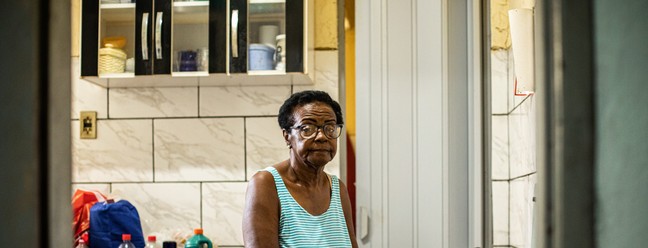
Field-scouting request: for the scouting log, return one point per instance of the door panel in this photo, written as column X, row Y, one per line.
column 238, row 36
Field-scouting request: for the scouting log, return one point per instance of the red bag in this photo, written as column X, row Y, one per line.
column 82, row 201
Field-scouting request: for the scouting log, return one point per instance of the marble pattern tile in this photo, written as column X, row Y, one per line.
column 206, row 149
column 522, row 139
column 166, row 210
column 242, row 101
column 103, row 188
column 499, row 81
column 521, row 211
column 265, row 145
column 500, row 147
column 153, row 102
column 223, row 205
column 513, row 100
column 500, row 198
column 326, row 74
column 333, row 167
column 122, row 152
column 87, row 96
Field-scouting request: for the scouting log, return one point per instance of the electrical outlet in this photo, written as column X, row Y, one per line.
column 88, row 122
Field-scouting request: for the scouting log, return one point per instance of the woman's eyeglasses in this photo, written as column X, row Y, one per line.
column 308, row 131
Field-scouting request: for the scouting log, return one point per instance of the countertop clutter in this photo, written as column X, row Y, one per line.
column 98, row 221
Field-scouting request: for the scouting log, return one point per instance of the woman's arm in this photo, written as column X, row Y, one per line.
column 261, row 214
column 346, row 207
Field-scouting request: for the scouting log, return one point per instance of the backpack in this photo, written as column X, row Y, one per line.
column 109, row 220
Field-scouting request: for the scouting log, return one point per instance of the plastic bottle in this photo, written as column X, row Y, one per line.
column 82, row 244
column 83, row 241
column 199, row 240
column 126, row 241
column 150, row 243
column 169, row 244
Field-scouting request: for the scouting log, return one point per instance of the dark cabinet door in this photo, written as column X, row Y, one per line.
column 228, row 40
column 89, row 37
column 238, row 36
column 161, row 38
column 218, row 36
column 144, row 17
column 294, row 36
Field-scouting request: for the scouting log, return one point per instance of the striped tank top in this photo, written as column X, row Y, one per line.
column 298, row 228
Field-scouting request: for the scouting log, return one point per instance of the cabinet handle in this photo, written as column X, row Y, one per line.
column 234, row 33
column 158, row 35
column 364, row 223
column 144, row 36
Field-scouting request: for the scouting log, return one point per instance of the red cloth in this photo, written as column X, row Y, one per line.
column 82, row 201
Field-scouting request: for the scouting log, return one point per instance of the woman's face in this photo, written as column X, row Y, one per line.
column 316, row 151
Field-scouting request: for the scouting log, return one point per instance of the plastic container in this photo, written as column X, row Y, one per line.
column 151, row 242
column 188, row 60
column 111, row 60
column 261, row 57
column 126, row 241
column 169, row 244
column 267, row 34
column 114, row 41
column 198, row 240
column 82, row 244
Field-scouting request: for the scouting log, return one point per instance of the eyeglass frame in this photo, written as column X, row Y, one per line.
column 317, row 130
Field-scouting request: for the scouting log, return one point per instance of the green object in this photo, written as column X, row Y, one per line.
column 198, row 240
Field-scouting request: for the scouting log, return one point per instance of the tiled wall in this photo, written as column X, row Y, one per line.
column 513, row 156
column 183, row 155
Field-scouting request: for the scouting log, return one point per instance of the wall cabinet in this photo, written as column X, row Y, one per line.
column 189, row 43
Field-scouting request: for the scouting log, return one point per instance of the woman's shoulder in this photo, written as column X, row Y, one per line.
column 262, row 178
column 265, row 178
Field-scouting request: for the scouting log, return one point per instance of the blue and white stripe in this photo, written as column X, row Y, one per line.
column 298, row 228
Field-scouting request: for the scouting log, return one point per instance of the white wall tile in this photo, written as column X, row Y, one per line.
column 500, row 147
column 103, row 188
column 500, row 194
column 206, row 149
column 165, row 209
column 242, row 101
column 521, row 203
column 514, row 100
column 522, row 139
column 333, row 167
column 223, row 205
column 326, row 74
column 265, row 144
column 153, row 102
column 518, row 211
column 87, row 96
column 499, row 81
column 122, row 152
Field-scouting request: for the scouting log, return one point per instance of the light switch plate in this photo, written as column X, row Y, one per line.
column 88, row 122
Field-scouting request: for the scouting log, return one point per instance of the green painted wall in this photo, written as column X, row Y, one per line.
column 621, row 62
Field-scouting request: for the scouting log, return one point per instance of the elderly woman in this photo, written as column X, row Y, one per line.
column 294, row 203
